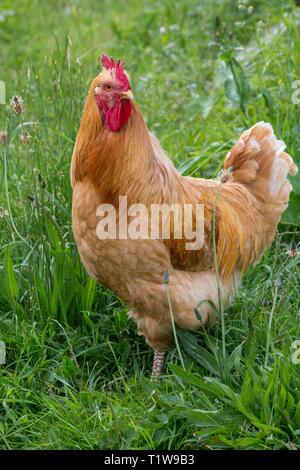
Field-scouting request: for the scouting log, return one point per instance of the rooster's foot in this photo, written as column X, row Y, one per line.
column 158, row 363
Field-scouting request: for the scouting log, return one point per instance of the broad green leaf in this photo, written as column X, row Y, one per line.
column 41, row 294
column 88, row 293
column 54, row 235
column 292, row 215
column 241, row 90
column 10, row 278
column 69, row 284
column 297, row 414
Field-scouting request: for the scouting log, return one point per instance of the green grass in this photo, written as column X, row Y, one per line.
column 77, row 373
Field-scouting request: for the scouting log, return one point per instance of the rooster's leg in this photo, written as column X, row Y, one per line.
column 158, row 363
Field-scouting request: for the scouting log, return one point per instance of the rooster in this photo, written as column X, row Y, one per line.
column 116, row 155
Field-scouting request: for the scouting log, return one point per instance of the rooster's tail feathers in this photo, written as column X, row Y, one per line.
column 254, row 198
column 258, row 160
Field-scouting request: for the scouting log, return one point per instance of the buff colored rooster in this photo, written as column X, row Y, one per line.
column 116, row 155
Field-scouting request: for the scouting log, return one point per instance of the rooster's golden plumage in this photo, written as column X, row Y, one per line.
column 116, row 155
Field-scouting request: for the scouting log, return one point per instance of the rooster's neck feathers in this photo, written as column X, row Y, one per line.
column 129, row 162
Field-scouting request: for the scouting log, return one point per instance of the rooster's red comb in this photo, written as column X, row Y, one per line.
column 118, row 68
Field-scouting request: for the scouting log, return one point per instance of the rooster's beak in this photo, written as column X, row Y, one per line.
column 127, row 95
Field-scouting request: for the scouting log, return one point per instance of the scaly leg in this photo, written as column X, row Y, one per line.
column 158, row 363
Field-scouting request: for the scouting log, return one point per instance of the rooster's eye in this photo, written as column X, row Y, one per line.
column 107, row 87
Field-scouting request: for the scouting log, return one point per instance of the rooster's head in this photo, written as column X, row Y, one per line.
column 113, row 93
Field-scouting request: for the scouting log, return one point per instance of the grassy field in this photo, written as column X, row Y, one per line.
column 76, row 373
